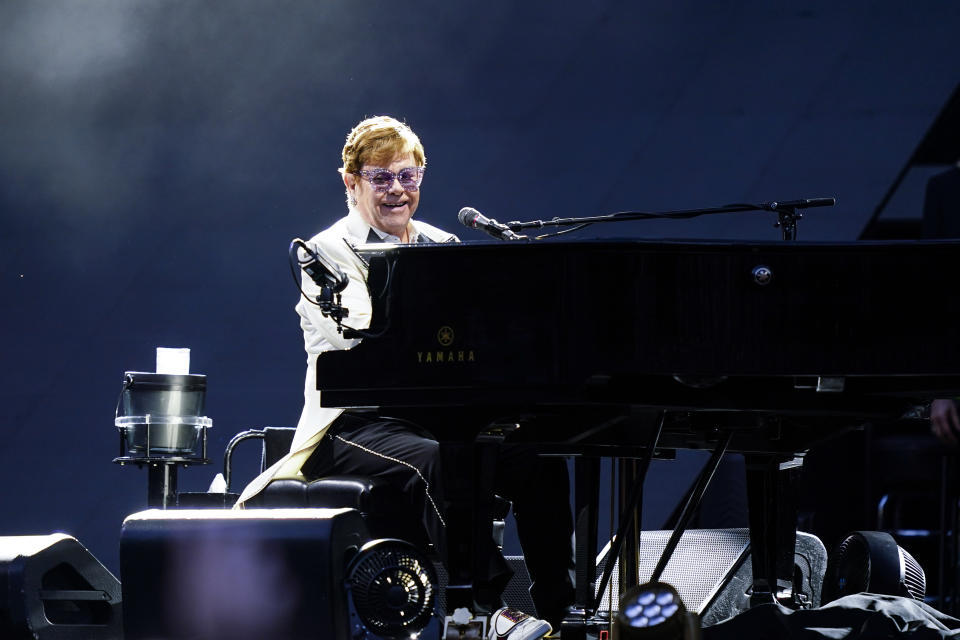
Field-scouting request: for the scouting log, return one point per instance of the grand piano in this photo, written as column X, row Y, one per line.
column 759, row 348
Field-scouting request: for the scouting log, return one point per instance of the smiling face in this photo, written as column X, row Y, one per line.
column 391, row 210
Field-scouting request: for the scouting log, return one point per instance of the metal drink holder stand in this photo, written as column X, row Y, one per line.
column 160, row 422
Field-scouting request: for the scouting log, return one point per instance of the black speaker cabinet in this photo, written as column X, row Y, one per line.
column 258, row 573
column 712, row 572
column 54, row 589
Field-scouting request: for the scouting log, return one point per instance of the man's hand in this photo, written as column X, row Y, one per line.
column 944, row 421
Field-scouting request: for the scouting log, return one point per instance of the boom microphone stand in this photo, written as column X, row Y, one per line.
column 787, row 215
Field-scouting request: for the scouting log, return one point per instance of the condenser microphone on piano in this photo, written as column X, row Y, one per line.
column 321, row 268
column 470, row 217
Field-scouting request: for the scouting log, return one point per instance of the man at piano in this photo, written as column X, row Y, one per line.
column 383, row 168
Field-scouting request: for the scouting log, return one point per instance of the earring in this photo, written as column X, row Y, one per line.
column 353, row 201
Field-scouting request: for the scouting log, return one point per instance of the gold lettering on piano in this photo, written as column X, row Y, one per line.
column 447, row 357
column 445, row 336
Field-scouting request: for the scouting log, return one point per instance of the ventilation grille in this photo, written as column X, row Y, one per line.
column 698, row 568
column 914, row 579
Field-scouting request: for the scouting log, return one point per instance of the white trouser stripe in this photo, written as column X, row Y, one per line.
column 398, row 461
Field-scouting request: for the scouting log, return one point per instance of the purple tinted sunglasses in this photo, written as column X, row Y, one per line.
column 382, row 179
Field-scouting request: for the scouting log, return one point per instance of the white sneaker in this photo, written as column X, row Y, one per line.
column 510, row 624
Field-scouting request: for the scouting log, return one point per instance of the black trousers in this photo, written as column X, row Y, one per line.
column 409, row 458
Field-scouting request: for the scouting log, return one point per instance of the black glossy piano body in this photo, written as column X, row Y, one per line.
column 776, row 345
column 592, row 321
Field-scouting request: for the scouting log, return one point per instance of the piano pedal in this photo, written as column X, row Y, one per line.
column 463, row 625
column 598, row 626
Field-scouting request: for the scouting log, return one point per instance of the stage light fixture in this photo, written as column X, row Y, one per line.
column 654, row 611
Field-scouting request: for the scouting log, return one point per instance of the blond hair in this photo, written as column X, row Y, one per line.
column 377, row 141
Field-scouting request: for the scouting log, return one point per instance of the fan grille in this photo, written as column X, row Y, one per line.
column 914, row 579
column 392, row 587
column 873, row 561
column 853, row 567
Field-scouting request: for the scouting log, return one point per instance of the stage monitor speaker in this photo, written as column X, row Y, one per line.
column 238, row 574
column 712, row 572
column 54, row 589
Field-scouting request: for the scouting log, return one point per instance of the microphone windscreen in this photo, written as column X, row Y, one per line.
column 468, row 217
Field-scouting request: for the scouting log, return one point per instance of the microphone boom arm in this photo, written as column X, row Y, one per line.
column 787, row 215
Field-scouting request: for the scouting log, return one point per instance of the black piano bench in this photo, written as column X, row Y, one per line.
column 381, row 503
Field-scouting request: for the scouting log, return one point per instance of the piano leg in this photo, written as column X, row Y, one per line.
column 485, row 453
column 771, row 495
column 469, row 516
column 459, row 592
column 630, row 483
column 586, row 501
column 626, row 508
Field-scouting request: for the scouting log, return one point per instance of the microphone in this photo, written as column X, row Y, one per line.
column 799, row 204
column 318, row 265
column 470, row 217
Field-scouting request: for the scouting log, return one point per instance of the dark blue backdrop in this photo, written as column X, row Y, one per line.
column 157, row 157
